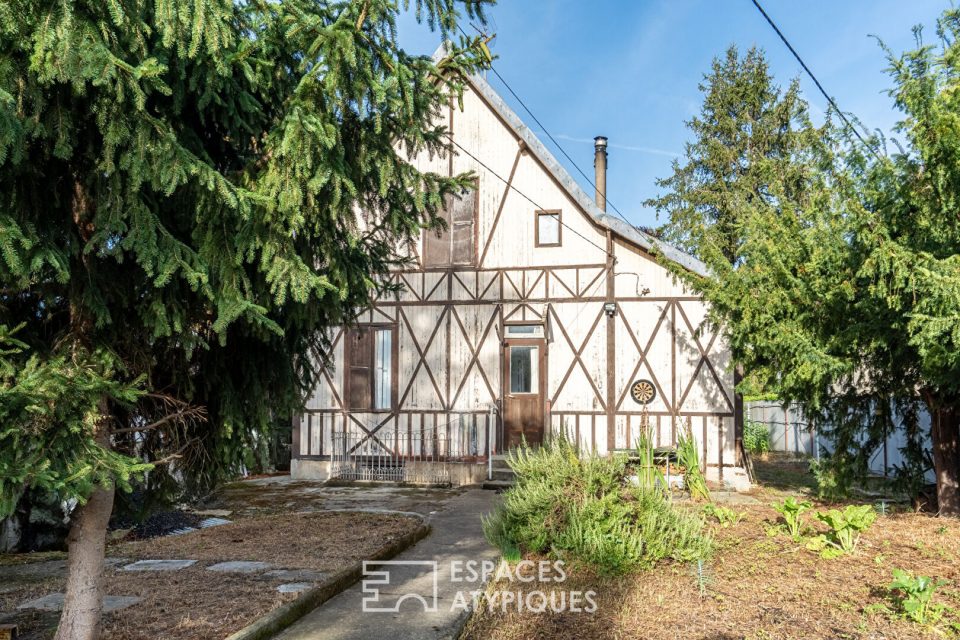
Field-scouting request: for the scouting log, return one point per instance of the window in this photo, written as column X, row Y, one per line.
column 523, row 369
column 524, row 330
column 369, row 368
column 456, row 245
column 547, row 228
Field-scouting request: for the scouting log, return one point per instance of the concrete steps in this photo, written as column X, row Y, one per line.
column 503, row 477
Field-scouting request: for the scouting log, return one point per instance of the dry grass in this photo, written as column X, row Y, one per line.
column 760, row 586
column 323, row 541
column 195, row 604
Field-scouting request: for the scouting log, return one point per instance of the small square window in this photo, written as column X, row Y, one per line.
column 548, row 228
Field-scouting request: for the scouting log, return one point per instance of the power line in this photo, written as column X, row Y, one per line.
column 521, row 193
column 548, row 134
column 803, row 64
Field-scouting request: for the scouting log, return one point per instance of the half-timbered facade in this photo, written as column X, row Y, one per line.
column 534, row 312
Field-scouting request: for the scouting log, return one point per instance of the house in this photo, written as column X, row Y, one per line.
column 535, row 312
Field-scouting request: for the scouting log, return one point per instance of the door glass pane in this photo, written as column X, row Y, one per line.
column 382, row 369
column 523, row 369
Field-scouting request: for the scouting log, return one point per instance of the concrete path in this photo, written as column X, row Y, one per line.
column 424, row 604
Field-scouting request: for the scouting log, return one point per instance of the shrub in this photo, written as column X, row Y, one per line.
column 792, row 510
column 582, row 508
column 845, row 529
column 756, row 437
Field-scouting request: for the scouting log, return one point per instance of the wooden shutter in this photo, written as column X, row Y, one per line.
column 456, row 245
column 436, row 244
column 360, row 369
column 463, row 216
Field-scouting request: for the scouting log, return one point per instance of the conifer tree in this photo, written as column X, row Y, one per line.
column 190, row 194
column 844, row 295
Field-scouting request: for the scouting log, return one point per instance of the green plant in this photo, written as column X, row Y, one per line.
column 580, row 507
column 791, row 510
column 845, row 529
column 688, row 457
column 756, row 437
column 649, row 476
column 915, row 595
column 725, row 516
column 702, row 576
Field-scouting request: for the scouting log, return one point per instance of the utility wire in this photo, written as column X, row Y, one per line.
column 803, row 64
column 525, row 196
column 547, row 132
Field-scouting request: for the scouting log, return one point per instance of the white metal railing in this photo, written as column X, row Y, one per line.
column 419, row 456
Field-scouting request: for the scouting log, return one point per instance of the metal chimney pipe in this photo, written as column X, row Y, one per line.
column 600, row 170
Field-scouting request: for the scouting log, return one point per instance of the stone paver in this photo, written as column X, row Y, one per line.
column 294, row 587
column 239, row 566
column 456, row 537
column 54, row 602
column 159, row 565
column 294, row 575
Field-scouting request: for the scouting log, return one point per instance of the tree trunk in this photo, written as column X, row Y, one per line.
column 87, row 541
column 945, row 438
column 80, row 619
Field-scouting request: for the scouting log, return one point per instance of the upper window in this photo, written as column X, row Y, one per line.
column 548, row 228
column 369, row 368
column 524, row 330
column 456, row 245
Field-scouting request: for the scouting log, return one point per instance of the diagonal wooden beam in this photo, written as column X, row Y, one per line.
column 422, row 357
column 371, row 433
column 503, row 201
column 474, row 356
column 577, row 359
column 704, row 358
column 643, row 357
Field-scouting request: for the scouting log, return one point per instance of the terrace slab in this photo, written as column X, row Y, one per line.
column 159, row 565
column 294, row 587
column 54, row 602
column 239, row 566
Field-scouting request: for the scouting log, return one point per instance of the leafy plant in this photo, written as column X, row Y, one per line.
column 791, row 510
column 756, row 437
column 845, row 529
column 725, row 516
column 915, row 595
column 579, row 506
column 688, row 457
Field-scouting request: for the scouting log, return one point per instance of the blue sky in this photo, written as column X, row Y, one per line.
column 629, row 69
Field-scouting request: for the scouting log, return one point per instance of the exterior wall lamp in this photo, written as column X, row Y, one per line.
column 610, row 308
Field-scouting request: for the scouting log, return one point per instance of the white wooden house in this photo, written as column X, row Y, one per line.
column 535, row 312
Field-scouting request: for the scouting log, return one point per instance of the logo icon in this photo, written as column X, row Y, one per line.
column 406, row 579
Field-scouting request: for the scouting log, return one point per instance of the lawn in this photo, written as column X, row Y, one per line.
column 759, row 583
column 194, row 603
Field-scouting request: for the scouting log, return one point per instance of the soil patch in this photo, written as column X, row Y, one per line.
column 194, row 603
column 758, row 585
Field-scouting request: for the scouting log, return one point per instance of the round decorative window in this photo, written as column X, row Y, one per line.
column 643, row 392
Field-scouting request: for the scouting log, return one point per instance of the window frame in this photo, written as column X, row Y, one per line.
column 448, row 235
column 348, row 367
column 536, row 227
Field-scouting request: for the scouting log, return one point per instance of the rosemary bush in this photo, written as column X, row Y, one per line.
column 580, row 508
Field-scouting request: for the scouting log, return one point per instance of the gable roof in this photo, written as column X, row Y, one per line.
column 573, row 189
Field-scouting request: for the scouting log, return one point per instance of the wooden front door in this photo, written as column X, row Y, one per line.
column 524, row 385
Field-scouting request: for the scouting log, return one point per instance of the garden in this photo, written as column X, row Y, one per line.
column 777, row 563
